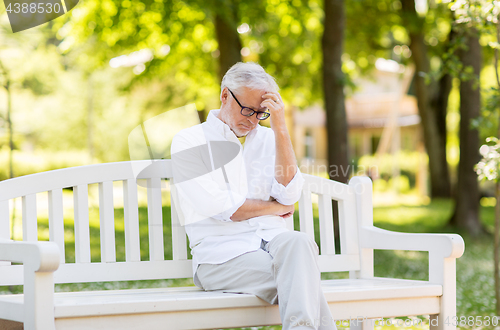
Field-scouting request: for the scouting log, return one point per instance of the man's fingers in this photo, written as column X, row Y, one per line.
column 273, row 96
column 269, row 104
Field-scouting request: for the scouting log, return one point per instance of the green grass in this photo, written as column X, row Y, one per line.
column 475, row 285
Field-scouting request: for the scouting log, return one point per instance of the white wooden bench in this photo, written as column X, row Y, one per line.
column 43, row 263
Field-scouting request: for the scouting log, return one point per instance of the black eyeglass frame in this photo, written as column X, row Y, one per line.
column 252, row 111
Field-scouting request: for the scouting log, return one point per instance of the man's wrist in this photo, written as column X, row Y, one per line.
column 277, row 207
column 280, row 131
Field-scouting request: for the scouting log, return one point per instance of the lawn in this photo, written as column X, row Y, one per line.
column 475, row 285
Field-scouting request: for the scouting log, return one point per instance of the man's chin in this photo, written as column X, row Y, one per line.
column 241, row 134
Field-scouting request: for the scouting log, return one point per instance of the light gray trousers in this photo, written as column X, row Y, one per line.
column 283, row 271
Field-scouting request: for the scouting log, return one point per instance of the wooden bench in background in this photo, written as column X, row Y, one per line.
column 37, row 265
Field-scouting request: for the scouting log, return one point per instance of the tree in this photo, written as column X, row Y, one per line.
column 431, row 106
column 226, row 19
column 333, row 87
column 471, row 21
column 466, row 214
column 489, row 166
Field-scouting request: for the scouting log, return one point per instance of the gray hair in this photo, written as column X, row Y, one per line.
column 250, row 75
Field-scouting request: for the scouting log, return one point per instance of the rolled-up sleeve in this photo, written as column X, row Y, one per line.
column 291, row 193
column 202, row 193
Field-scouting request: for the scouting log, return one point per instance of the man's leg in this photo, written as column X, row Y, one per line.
column 248, row 273
column 296, row 272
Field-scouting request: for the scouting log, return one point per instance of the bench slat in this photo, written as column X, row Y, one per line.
column 74, row 176
column 179, row 247
column 29, row 218
column 107, row 222
column 4, row 220
column 327, row 239
column 317, row 185
column 338, row 263
column 155, row 221
column 82, row 234
column 131, row 218
column 56, row 220
column 150, row 270
column 4, row 225
column 306, row 214
column 348, row 224
column 106, row 271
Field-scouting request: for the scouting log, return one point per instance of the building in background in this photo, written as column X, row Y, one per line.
column 383, row 119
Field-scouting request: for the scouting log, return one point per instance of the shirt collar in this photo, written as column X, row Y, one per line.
column 215, row 122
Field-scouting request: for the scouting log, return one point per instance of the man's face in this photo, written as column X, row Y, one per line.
column 230, row 112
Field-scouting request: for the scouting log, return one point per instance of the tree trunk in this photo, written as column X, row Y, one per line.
column 466, row 214
column 228, row 38
column 440, row 93
column 432, row 118
column 333, row 87
column 439, row 106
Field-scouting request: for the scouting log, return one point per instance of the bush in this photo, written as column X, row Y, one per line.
column 39, row 161
column 408, row 162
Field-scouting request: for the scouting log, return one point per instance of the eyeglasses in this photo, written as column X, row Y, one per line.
column 248, row 112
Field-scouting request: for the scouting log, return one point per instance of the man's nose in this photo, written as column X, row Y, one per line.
column 253, row 119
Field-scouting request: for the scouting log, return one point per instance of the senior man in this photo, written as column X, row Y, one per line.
column 236, row 183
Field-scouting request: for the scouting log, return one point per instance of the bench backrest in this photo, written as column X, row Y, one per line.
column 155, row 175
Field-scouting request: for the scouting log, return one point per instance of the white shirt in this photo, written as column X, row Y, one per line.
column 207, row 200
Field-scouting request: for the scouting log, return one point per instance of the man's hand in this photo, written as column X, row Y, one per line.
column 276, row 107
column 285, row 165
column 255, row 208
column 288, row 211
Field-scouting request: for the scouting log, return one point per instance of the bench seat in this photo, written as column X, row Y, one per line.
column 347, row 298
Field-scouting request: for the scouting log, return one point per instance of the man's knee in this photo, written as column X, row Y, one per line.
column 298, row 239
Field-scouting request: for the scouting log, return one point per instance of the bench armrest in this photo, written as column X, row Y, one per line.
column 37, row 256
column 40, row 260
column 444, row 245
column 443, row 250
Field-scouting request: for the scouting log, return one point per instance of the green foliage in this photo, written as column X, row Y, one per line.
column 479, row 17
column 408, row 163
column 39, row 161
column 286, row 39
column 179, row 34
column 488, row 122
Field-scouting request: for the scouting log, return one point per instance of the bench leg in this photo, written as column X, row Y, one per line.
column 38, row 300
column 443, row 271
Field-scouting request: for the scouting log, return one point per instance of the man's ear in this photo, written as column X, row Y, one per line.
column 224, row 95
